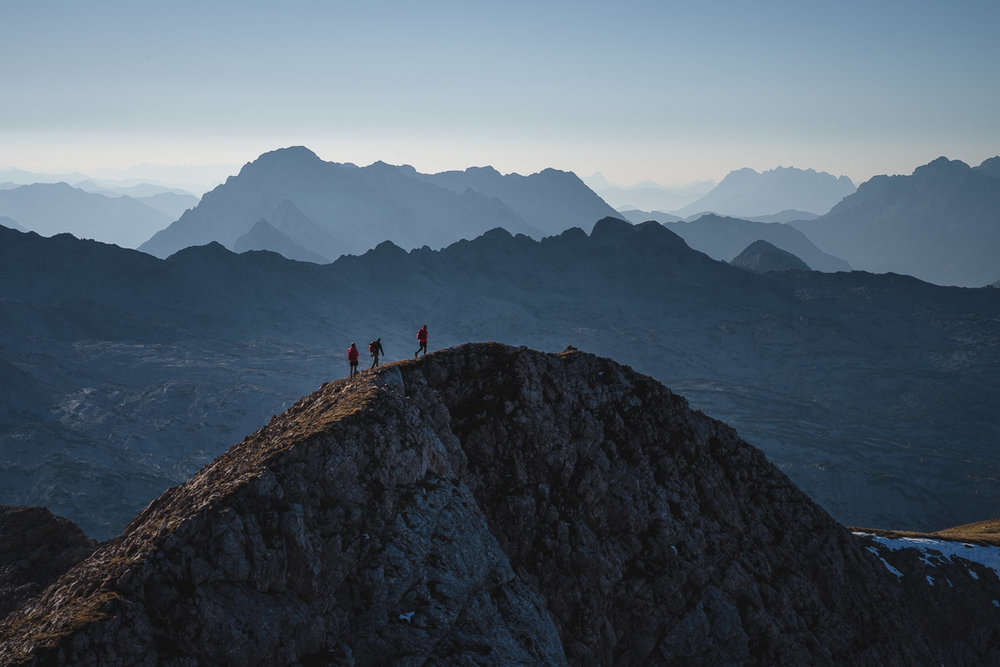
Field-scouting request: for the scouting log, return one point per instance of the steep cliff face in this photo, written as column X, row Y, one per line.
column 483, row 505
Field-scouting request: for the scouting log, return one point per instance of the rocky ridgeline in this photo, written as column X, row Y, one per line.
column 485, row 505
column 35, row 548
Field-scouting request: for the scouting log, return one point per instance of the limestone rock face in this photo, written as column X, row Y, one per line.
column 483, row 505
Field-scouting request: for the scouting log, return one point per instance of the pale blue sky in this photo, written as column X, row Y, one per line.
column 664, row 91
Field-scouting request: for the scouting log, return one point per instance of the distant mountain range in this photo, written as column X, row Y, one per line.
column 333, row 209
column 724, row 238
column 54, row 208
column 746, row 193
column 648, row 195
column 940, row 224
column 121, row 373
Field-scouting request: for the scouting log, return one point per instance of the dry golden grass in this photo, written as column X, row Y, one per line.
column 982, row 532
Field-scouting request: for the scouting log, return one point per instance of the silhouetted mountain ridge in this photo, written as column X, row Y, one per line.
column 724, row 238
column 345, row 209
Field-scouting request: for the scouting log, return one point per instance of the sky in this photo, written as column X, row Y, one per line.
column 663, row 91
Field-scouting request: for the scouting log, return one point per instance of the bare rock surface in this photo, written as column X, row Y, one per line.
column 35, row 548
column 483, row 505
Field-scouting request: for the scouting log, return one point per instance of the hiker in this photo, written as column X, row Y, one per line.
column 352, row 357
column 422, row 339
column 375, row 349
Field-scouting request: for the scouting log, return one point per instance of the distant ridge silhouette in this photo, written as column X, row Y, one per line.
column 763, row 257
column 55, row 208
column 939, row 224
column 746, row 193
column 345, row 209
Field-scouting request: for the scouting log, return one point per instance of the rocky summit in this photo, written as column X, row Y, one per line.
column 485, row 505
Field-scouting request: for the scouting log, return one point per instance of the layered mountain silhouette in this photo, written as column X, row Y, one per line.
column 335, row 209
column 876, row 394
column 493, row 505
column 264, row 236
column 746, row 193
column 940, row 224
column 762, row 257
column 10, row 223
column 55, row 208
column 724, row 238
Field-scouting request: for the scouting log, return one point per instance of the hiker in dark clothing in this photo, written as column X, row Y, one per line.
column 422, row 339
column 352, row 357
column 375, row 349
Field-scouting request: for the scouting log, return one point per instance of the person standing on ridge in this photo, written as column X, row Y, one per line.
column 352, row 358
column 375, row 349
column 422, row 339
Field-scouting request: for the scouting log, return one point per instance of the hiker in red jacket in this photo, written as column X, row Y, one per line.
column 422, row 339
column 352, row 357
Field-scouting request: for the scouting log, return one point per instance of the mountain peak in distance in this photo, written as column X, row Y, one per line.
column 763, row 257
column 747, row 193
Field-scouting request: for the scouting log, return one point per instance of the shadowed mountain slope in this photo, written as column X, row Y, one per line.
column 484, row 505
column 36, row 548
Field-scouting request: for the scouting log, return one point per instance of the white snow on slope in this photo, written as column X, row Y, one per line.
column 937, row 552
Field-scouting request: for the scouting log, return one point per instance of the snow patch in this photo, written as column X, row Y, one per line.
column 899, row 575
column 939, row 552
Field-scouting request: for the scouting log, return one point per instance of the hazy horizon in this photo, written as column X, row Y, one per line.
column 637, row 91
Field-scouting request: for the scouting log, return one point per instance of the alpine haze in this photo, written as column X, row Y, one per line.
column 55, row 208
column 747, row 193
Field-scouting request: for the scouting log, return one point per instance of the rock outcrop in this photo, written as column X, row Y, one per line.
column 36, row 547
column 483, row 505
